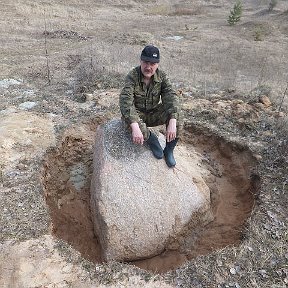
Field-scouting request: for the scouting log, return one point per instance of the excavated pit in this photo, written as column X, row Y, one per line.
column 67, row 175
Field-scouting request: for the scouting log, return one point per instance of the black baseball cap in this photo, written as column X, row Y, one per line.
column 150, row 54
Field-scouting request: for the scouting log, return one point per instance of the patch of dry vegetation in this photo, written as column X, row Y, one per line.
column 176, row 9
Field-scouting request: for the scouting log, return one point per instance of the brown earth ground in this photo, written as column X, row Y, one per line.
column 62, row 65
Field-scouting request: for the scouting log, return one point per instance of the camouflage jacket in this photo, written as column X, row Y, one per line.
column 136, row 96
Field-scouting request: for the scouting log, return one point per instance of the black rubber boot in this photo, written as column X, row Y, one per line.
column 155, row 146
column 168, row 153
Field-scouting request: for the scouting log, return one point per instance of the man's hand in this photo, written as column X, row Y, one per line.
column 171, row 130
column 137, row 135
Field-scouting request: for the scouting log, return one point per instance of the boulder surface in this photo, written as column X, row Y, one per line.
column 139, row 205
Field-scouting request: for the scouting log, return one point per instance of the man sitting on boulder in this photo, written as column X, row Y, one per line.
column 147, row 100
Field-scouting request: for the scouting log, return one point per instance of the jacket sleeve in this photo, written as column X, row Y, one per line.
column 126, row 101
column 169, row 97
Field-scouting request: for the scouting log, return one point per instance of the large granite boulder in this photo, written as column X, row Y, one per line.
column 139, row 205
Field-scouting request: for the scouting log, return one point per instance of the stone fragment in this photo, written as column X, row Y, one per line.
column 139, row 205
column 265, row 100
column 280, row 114
column 5, row 83
column 27, row 105
column 257, row 157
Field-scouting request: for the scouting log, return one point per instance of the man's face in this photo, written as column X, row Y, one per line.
column 148, row 69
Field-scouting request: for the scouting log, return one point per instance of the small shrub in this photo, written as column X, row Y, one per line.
column 181, row 10
column 235, row 14
column 258, row 34
column 272, row 4
column 89, row 77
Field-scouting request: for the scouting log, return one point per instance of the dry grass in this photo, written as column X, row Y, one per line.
column 162, row 9
column 196, row 60
column 179, row 11
column 176, row 9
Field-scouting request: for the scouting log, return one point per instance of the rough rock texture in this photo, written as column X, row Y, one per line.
column 140, row 206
